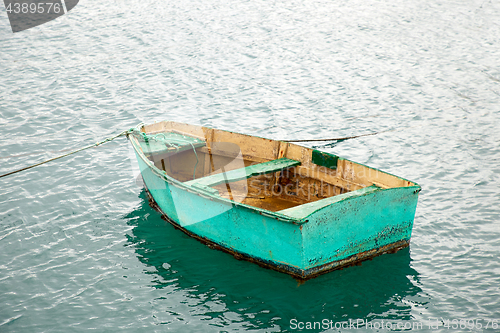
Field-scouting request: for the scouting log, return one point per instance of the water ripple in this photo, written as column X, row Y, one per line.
column 81, row 248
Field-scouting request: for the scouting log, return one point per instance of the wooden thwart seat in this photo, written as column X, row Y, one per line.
column 244, row 173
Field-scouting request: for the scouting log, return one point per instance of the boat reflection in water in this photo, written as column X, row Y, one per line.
column 196, row 285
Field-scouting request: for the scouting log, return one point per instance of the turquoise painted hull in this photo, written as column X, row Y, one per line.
column 303, row 242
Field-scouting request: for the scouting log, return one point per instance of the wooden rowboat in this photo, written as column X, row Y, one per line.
column 286, row 207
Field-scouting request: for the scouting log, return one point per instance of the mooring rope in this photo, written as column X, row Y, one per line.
column 32, row 154
column 76, row 151
column 338, row 139
column 171, row 142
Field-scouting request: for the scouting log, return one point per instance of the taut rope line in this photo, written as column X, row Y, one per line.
column 75, row 151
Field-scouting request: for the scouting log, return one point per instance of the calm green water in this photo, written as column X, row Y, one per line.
column 81, row 249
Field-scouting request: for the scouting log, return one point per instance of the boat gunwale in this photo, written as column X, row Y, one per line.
column 276, row 215
column 284, row 141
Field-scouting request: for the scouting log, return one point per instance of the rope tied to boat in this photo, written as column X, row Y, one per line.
column 339, row 139
column 127, row 132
